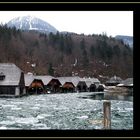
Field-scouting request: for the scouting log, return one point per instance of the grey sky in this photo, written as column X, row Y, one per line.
column 87, row 22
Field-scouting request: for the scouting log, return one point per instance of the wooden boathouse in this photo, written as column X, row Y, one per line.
column 113, row 81
column 36, row 87
column 66, row 84
column 13, row 82
column 127, row 84
column 41, row 84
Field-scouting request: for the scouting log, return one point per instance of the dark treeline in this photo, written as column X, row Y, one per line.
column 66, row 54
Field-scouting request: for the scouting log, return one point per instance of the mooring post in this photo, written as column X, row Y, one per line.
column 107, row 114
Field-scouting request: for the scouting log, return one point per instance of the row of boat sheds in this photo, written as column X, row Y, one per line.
column 14, row 83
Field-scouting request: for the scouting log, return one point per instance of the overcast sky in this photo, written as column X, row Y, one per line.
column 88, row 22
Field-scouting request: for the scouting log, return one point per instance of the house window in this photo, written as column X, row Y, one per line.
column 2, row 76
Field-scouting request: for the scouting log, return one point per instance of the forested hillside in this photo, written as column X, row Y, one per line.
column 66, row 54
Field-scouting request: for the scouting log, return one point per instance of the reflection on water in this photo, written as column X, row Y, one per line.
column 62, row 111
column 108, row 96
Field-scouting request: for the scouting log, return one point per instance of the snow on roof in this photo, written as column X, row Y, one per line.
column 119, row 85
column 114, row 79
column 45, row 78
column 75, row 80
column 12, row 74
column 88, row 83
column 28, row 79
column 95, row 80
column 128, row 82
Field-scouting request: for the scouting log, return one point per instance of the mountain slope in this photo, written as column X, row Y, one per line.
column 67, row 54
column 126, row 39
column 31, row 23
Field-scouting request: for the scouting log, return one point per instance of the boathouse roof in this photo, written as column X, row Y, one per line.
column 114, row 79
column 30, row 77
column 73, row 79
column 90, row 81
column 127, row 82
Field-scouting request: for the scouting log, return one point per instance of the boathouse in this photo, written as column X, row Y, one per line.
column 54, row 85
column 90, row 82
column 36, row 87
column 128, row 84
column 66, row 84
column 100, row 88
column 68, row 87
column 45, row 79
column 33, row 85
column 92, row 88
column 41, row 84
column 12, row 82
column 113, row 81
column 95, row 81
column 51, row 84
column 82, row 87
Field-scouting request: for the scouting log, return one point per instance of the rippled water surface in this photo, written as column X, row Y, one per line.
column 62, row 111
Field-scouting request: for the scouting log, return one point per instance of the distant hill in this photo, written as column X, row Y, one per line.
column 32, row 23
column 126, row 39
column 67, row 54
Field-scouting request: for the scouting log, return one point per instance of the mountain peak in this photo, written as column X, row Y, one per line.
column 32, row 23
column 126, row 39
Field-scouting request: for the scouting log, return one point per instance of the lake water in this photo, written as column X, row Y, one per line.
column 62, row 111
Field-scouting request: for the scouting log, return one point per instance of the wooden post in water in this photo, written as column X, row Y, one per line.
column 107, row 114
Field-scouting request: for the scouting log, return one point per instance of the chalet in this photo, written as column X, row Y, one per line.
column 113, row 81
column 12, row 82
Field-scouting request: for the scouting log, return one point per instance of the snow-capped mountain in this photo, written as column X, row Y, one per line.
column 126, row 39
column 32, row 23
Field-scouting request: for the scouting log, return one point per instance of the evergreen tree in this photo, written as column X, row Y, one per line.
column 117, row 50
column 61, row 44
column 51, row 39
column 50, row 70
column 92, row 50
column 68, row 44
column 82, row 44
